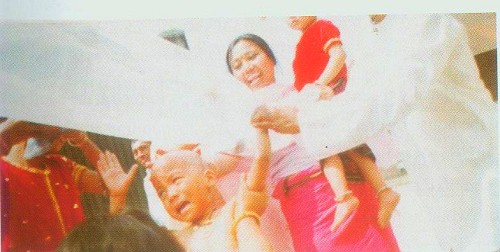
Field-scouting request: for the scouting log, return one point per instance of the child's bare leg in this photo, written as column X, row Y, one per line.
column 346, row 201
column 388, row 199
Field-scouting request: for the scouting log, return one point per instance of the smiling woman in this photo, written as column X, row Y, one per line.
column 251, row 61
column 297, row 179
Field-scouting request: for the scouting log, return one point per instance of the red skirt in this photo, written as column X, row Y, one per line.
column 307, row 201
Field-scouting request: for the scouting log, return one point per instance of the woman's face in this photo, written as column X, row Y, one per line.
column 251, row 65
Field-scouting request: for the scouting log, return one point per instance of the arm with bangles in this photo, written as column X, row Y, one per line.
column 252, row 199
column 257, row 175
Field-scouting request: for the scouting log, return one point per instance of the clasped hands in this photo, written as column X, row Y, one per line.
column 282, row 119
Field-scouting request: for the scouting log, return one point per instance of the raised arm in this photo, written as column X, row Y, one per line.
column 252, row 199
column 257, row 175
column 116, row 180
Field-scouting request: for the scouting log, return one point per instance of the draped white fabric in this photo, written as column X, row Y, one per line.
column 417, row 77
column 105, row 78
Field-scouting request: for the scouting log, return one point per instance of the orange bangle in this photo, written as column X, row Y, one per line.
column 244, row 215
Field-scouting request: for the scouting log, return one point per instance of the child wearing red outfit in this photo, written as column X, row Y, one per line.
column 320, row 60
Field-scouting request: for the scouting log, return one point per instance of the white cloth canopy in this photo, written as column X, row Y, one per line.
column 105, row 78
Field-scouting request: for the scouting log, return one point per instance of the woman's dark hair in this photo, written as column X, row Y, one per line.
column 130, row 232
column 260, row 42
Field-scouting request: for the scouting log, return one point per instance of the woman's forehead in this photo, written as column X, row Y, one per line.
column 243, row 47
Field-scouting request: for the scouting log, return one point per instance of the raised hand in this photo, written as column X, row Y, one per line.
column 116, row 180
column 261, row 117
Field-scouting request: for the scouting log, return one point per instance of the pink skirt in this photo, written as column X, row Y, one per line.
column 309, row 209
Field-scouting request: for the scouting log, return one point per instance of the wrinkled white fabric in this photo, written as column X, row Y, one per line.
column 110, row 78
column 417, row 77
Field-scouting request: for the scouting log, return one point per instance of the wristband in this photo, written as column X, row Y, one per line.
column 244, row 215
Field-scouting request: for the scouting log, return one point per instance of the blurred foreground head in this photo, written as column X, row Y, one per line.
column 134, row 231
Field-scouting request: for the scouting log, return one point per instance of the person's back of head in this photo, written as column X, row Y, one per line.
column 126, row 232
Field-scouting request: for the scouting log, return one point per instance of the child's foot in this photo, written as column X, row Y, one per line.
column 388, row 200
column 344, row 208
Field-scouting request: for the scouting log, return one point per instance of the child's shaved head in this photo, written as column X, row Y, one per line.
column 185, row 185
column 179, row 159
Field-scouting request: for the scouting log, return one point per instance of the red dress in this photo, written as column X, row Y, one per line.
column 39, row 207
column 311, row 55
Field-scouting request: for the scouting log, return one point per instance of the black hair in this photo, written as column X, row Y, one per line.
column 260, row 42
column 130, row 232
